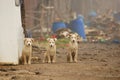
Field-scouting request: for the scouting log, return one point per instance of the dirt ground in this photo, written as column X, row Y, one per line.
column 96, row 61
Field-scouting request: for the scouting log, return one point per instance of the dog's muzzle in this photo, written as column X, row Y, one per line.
column 29, row 44
column 73, row 41
column 51, row 45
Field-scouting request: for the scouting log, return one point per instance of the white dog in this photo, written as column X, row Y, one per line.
column 50, row 54
column 73, row 48
column 27, row 51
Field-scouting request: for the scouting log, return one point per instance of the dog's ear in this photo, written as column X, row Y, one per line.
column 55, row 39
column 32, row 39
column 48, row 39
column 24, row 40
column 76, row 34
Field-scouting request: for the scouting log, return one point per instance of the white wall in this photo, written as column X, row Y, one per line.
column 11, row 32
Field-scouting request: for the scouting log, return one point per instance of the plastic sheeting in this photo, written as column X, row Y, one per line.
column 77, row 26
column 58, row 25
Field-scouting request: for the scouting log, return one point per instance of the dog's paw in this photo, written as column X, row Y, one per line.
column 49, row 61
column 29, row 62
column 43, row 61
column 25, row 63
column 53, row 61
column 75, row 61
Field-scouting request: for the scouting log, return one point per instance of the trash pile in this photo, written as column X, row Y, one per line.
column 104, row 27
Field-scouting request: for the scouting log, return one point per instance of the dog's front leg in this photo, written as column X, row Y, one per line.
column 29, row 59
column 49, row 61
column 75, row 57
column 70, row 55
column 24, row 59
column 54, row 59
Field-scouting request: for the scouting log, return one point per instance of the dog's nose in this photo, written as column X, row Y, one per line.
column 28, row 44
column 50, row 45
column 73, row 40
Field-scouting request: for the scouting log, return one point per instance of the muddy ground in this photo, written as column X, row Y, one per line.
column 96, row 61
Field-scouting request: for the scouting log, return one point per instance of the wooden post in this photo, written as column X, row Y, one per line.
column 23, row 17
